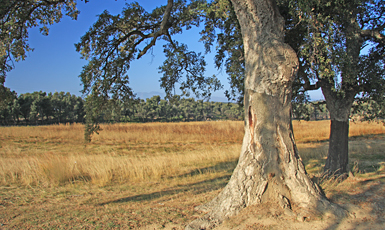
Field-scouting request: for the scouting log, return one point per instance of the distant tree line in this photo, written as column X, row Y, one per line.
column 171, row 110
column 315, row 110
column 40, row 108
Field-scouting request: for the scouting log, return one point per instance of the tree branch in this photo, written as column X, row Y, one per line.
column 307, row 86
column 375, row 34
column 163, row 28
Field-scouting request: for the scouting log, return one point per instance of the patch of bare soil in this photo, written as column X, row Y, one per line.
column 365, row 201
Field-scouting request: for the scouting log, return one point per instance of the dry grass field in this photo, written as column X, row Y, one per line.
column 151, row 176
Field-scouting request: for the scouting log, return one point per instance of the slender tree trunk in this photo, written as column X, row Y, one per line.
column 337, row 160
column 269, row 168
column 339, row 106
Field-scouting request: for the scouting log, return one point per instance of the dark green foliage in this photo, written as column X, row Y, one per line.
column 6, row 103
column 114, row 41
column 181, row 62
column 40, row 108
column 93, row 113
column 175, row 109
column 331, row 50
column 314, row 111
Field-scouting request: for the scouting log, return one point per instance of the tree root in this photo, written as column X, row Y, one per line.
column 323, row 209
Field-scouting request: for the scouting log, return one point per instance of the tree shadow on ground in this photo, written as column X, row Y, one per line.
column 194, row 188
column 363, row 197
column 365, row 200
column 227, row 166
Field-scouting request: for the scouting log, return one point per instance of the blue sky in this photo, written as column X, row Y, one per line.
column 54, row 65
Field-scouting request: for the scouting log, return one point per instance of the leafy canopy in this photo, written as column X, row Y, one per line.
column 338, row 32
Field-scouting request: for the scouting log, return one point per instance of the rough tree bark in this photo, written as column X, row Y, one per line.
column 269, row 167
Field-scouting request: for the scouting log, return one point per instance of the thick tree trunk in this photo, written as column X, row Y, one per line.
column 269, row 168
column 339, row 106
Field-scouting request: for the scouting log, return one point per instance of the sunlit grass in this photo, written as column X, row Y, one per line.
column 56, row 155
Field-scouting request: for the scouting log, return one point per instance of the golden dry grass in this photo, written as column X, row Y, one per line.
column 149, row 176
column 52, row 155
column 317, row 131
column 56, row 154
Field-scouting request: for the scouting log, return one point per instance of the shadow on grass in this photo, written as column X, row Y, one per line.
column 366, row 136
column 194, row 188
column 368, row 205
column 227, row 166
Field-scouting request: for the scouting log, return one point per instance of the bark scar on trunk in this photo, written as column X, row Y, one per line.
column 252, row 118
column 251, row 125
